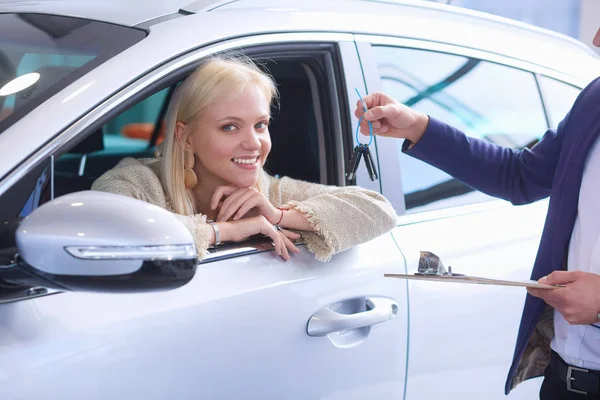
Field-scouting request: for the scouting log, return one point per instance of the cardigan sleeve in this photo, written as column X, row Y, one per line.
column 342, row 217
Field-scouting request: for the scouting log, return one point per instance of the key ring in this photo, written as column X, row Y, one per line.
column 360, row 120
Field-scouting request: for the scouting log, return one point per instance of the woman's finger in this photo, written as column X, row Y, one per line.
column 219, row 193
column 279, row 239
column 279, row 244
column 283, row 244
column 270, row 231
column 288, row 244
column 254, row 201
column 233, row 203
column 291, row 235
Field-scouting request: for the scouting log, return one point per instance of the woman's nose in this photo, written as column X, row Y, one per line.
column 251, row 140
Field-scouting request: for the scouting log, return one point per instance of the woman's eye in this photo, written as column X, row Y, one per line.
column 229, row 128
column 262, row 125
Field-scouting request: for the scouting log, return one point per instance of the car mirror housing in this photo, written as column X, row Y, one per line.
column 96, row 241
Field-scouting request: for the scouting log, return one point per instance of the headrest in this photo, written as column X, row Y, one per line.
column 94, row 142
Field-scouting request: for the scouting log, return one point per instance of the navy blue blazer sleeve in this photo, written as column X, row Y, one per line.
column 519, row 176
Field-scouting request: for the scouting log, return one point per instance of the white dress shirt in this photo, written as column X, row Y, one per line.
column 579, row 345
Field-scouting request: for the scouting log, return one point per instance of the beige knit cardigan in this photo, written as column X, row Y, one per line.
column 341, row 217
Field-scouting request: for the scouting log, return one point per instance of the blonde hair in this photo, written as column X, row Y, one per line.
column 214, row 79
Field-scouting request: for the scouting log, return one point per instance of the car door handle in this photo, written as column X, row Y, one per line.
column 326, row 321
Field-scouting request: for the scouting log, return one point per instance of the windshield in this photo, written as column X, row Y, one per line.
column 41, row 54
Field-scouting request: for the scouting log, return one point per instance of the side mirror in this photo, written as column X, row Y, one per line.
column 95, row 241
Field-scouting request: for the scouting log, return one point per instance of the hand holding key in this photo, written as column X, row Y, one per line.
column 388, row 117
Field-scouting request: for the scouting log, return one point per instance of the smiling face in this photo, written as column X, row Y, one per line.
column 230, row 139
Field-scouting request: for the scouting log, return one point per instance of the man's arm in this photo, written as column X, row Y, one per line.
column 519, row 176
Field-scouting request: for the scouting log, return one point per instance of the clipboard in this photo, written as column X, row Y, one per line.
column 474, row 280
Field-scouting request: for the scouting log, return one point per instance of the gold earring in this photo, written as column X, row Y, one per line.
column 189, row 176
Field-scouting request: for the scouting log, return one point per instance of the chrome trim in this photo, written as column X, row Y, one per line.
column 232, row 250
column 223, row 254
column 153, row 76
column 470, row 52
column 160, row 252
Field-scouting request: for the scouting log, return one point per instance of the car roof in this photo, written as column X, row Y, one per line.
column 152, row 12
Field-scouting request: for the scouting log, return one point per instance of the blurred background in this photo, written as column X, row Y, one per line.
column 577, row 18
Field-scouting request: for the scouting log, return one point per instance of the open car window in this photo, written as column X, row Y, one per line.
column 301, row 149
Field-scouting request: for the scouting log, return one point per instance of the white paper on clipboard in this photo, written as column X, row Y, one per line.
column 474, row 280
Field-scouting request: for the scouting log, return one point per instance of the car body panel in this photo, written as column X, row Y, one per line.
column 237, row 323
column 485, row 243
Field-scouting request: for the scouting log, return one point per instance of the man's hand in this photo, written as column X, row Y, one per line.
column 390, row 118
column 578, row 301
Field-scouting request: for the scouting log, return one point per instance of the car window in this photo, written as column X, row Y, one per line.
column 41, row 54
column 132, row 132
column 485, row 100
column 559, row 98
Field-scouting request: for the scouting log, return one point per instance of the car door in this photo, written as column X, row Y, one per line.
column 461, row 336
column 248, row 325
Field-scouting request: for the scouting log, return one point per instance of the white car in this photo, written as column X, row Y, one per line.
column 85, row 312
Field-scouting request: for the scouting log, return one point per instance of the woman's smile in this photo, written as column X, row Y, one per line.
column 248, row 163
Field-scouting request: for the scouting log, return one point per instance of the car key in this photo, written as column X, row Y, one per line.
column 369, row 162
column 357, row 154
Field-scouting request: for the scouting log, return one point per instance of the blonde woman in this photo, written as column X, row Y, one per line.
column 210, row 172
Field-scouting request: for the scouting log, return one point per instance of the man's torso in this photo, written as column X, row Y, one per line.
column 579, row 344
